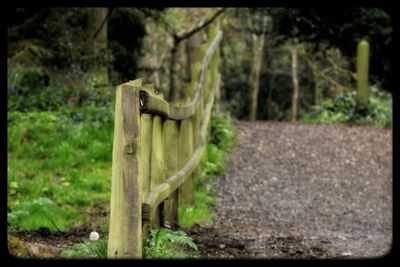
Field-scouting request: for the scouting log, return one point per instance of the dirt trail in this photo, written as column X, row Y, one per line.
column 303, row 191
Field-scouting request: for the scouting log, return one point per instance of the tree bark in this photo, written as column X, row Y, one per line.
column 97, row 35
column 172, row 73
column 190, row 49
column 269, row 99
column 155, row 46
column 258, row 47
column 295, row 95
column 177, row 40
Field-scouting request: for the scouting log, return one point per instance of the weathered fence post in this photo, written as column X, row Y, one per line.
column 186, row 193
column 196, row 119
column 171, row 149
column 157, row 164
column 146, row 128
column 125, row 233
column 362, row 74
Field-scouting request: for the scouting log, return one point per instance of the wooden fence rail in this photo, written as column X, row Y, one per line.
column 157, row 150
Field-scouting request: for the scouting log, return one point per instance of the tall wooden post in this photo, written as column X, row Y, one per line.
column 125, row 234
column 362, row 74
column 186, row 193
column 157, row 164
column 146, row 128
column 171, row 148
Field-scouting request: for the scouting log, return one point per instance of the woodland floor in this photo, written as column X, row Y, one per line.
column 303, row 191
column 290, row 191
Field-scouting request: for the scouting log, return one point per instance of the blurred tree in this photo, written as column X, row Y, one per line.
column 295, row 95
column 97, row 36
column 181, row 32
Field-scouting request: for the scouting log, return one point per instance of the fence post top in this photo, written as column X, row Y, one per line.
column 133, row 83
column 363, row 42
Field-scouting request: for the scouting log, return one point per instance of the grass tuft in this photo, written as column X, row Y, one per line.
column 87, row 250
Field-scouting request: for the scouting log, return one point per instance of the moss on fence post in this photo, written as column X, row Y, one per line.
column 125, row 234
column 186, row 193
column 362, row 74
column 157, row 164
column 170, row 151
column 146, row 127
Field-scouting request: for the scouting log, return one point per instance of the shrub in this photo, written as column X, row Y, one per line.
column 343, row 108
column 167, row 244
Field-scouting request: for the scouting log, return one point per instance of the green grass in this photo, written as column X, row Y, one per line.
column 188, row 215
column 59, row 166
column 86, row 250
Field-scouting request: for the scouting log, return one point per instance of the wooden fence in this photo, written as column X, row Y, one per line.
column 157, row 150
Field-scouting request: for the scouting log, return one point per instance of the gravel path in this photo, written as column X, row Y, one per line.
column 303, row 191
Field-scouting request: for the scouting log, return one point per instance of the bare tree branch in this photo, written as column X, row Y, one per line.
column 170, row 29
column 321, row 74
column 202, row 24
column 341, row 70
column 104, row 22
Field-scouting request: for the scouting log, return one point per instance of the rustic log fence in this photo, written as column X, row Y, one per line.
column 157, row 150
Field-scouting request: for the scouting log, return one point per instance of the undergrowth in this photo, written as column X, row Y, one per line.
column 343, row 109
column 86, row 250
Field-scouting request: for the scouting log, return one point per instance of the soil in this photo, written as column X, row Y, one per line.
column 302, row 191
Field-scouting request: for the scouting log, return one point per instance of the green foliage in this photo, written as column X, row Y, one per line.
column 28, row 88
column 87, row 250
column 222, row 131
column 343, row 108
column 32, row 53
column 200, row 211
column 167, row 244
column 41, row 212
column 42, row 89
column 64, row 156
column 222, row 139
column 216, row 160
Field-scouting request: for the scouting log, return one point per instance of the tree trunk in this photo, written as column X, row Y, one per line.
column 155, row 46
column 258, row 45
column 269, row 99
column 172, row 73
column 317, row 89
column 191, row 48
column 97, row 34
column 295, row 95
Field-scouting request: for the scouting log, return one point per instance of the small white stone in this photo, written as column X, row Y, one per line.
column 347, row 253
column 94, row 236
